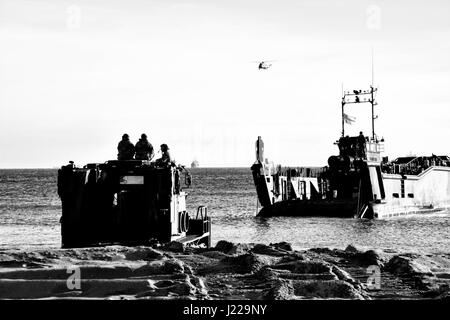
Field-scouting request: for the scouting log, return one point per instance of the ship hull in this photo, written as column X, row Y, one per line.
column 335, row 209
column 386, row 211
column 305, row 208
column 356, row 183
column 392, row 195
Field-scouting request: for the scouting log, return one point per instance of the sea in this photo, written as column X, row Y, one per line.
column 30, row 210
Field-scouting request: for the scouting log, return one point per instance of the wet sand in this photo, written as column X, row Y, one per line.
column 227, row 271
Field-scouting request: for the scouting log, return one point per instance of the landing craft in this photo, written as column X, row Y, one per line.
column 358, row 182
column 129, row 202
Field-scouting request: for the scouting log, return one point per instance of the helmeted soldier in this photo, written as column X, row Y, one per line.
column 125, row 148
column 165, row 156
column 361, row 145
column 144, row 149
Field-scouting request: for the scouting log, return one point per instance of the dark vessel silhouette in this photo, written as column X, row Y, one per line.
column 128, row 202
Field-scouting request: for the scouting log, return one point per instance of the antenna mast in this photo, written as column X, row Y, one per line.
column 360, row 96
column 372, row 66
column 372, row 103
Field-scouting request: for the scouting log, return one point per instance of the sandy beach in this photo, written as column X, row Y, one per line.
column 227, row 271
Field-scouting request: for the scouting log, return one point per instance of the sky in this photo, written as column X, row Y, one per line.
column 76, row 75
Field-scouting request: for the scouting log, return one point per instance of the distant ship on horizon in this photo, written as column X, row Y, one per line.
column 194, row 164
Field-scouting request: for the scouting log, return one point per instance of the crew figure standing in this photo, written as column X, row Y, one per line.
column 144, row 149
column 361, row 146
column 125, row 148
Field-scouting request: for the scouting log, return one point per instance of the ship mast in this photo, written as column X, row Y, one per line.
column 360, row 96
column 372, row 99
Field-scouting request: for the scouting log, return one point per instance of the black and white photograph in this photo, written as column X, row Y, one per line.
column 222, row 151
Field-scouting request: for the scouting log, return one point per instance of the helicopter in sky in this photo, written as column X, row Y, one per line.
column 264, row 65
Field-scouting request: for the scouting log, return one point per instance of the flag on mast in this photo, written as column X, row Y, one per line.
column 349, row 119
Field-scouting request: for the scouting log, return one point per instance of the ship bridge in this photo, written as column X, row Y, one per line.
column 361, row 147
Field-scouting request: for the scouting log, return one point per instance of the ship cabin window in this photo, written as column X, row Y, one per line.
column 268, row 179
column 395, row 195
column 410, row 195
